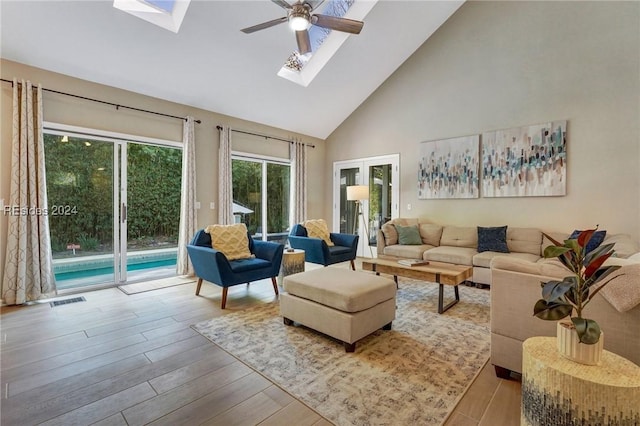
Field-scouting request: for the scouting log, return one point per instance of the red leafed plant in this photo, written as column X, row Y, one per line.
column 561, row 298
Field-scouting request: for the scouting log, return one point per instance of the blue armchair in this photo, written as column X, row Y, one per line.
column 213, row 266
column 317, row 251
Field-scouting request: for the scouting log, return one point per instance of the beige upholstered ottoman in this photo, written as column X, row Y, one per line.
column 346, row 305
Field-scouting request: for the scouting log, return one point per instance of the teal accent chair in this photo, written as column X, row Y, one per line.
column 213, row 266
column 317, row 251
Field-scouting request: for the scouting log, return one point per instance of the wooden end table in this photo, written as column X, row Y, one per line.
column 441, row 273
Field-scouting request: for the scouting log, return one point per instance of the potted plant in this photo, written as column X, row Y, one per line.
column 573, row 293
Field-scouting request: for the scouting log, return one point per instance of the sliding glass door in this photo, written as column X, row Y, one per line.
column 150, row 190
column 261, row 196
column 81, row 176
column 113, row 208
column 380, row 176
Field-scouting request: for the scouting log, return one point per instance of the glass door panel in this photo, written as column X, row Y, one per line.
column 278, row 183
column 80, row 192
column 247, row 195
column 152, row 191
column 348, row 209
column 380, row 197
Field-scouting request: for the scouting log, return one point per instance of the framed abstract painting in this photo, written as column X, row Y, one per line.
column 448, row 168
column 529, row 161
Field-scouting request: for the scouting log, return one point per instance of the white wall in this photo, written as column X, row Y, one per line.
column 496, row 65
column 66, row 110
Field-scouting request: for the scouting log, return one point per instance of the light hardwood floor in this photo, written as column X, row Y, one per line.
column 131, row 360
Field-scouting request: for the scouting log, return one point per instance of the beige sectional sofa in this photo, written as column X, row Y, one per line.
column 516, row 288
column 458, row 245
column 515, row 280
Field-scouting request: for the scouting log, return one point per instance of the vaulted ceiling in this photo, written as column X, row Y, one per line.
column 210, row 63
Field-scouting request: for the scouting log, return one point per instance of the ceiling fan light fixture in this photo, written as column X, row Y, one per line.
column 299, row 22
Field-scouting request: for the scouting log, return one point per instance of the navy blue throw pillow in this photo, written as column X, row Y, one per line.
column 596, row 239
column 492, row 239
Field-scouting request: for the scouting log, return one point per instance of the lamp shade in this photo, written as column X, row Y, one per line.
column 357, row 192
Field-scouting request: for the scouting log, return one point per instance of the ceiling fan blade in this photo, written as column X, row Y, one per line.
column 282, row 4
column 264, row 25
column 339, row 24
column 304, row 44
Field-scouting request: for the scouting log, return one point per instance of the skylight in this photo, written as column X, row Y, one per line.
column 165, row 5
column 302, row 69
column 167, row 14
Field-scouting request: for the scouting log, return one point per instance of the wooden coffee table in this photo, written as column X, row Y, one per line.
column 441, row 273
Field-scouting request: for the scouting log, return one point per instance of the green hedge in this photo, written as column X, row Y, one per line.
column 80, row 192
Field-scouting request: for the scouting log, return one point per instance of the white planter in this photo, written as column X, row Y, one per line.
column 570, row 347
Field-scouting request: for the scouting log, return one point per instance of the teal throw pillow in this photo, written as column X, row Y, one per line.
column 408, row 235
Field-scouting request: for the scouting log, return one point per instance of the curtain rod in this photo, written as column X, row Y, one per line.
column 265, row 136
column 118, row 106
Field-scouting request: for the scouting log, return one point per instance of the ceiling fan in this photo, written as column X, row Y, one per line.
column 300, row 19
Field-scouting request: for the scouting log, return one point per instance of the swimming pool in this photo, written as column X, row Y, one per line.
column 61, row 276
column 88, row 270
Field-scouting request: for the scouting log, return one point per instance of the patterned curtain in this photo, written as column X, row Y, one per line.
column 225, row 181
column 28, row 269
column 188, row 214
column 298, row 155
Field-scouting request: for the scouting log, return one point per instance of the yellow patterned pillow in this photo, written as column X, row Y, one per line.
column 231, row 240
column 317, row 228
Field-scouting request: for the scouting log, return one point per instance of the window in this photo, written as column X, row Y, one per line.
column 261, row 196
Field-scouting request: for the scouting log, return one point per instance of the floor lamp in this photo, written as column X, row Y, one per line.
column 359, row 193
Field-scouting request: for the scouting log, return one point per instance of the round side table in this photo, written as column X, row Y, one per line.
column 557, row 391
column 292, row 263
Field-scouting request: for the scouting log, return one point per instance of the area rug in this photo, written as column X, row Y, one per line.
column 141, row 287
column 412, row 374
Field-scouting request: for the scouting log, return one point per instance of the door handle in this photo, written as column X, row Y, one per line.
column 123, row 213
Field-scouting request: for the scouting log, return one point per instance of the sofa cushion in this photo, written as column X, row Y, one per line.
column 624, row 246
column 459, row 236
column 390, row 233
column 492, row 239
column 231, row 240
column 347, row 291
column 623, row 292
column 430, row 233
column 410, row 252
column 408, row 235
column 405, row 221
column 544, row 267
column 455, row 255
column 317, row 228
column 634, row 258
column 524, row 240
column 483, row 259
column 558, row 236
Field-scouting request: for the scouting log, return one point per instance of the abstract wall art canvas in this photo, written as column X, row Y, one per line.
column 449, row 168
column 529, row 161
